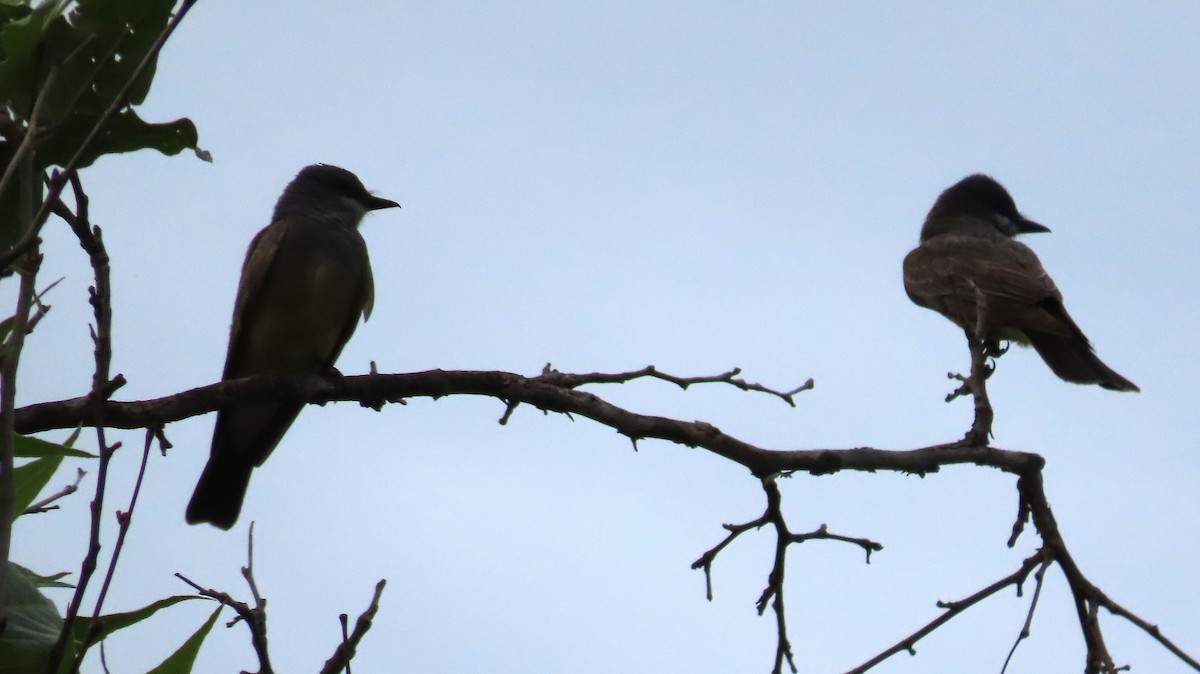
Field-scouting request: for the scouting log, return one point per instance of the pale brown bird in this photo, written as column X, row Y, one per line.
column 966, row 248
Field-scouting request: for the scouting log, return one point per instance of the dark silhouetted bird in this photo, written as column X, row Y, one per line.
column 305, row 284
column 967, row 247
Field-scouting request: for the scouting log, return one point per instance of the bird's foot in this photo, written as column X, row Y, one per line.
column 989, row 369
column 963, row 388
column 336, row 378
column 975, row 438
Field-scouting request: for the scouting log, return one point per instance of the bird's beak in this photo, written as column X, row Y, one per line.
column 1025, row 226
column 374, row 203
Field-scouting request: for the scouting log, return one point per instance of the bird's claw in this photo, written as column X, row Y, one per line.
column 993, row 349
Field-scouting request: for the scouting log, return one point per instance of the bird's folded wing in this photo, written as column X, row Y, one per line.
column 259, row 257
column 944, row 273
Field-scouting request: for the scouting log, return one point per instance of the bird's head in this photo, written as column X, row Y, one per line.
column 325, row 190
column 977, row 205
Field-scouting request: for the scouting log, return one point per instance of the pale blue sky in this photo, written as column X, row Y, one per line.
column 608, row 185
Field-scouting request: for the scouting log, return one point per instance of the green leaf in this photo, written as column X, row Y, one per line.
column 14, row 221
column 6, row 324
column 53, row 580
column 20, row 34
column 114, row 622
column 27, row 446
column 125, row 132
column 97, row 49
column 181, row 661
column 33, row 625
column 109, row 624
column 30, row 479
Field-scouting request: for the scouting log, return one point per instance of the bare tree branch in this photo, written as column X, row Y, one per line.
column 953, row 608
column 123, row 520
column 255, row 616
column 772, row 595
column 506, row 387
column 556, row 392
column 100, row 299
column 1116, row 609
column 1038, row 579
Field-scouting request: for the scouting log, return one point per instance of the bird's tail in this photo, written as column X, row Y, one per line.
column 1072, row 359
column 219, row 493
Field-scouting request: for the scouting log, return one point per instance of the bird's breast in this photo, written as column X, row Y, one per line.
column 308, row 304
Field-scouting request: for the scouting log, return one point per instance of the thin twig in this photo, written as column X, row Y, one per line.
column 11, row 356
column 822, row 533
column 88, row 566
column 40, row 309
column 775, row 579
column 248, row 570
column 1151, row 629
column 772, row 594
column 123, row 521
column 706, row 560
column 343, row 621
column 101, row 301
column 1038, row 578
column 549, row 374
column 952, row 609
column 255, row 616
column 1023, row 515
column 346, row 650
column 44, row 505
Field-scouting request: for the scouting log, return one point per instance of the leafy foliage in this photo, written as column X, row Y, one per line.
column 70, row 74
column 33, row 624
column 78, row 64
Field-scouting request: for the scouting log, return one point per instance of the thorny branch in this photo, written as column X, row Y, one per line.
column 571, row 381
column 546, row 394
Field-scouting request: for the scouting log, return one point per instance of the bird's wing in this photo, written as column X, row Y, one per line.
column 944, row 272
column 259, row 256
